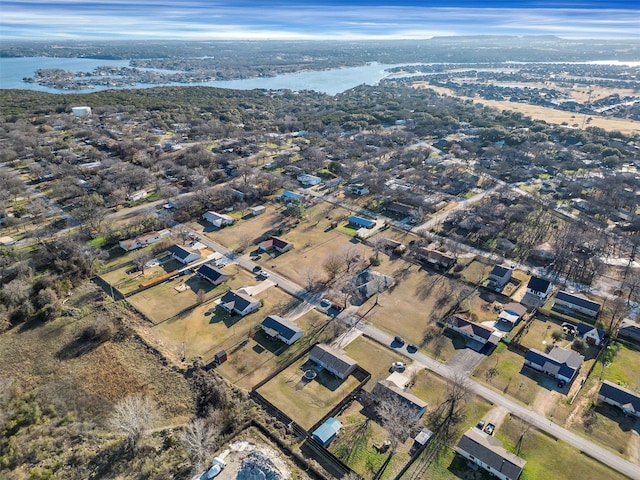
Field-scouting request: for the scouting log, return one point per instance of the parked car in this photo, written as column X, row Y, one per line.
column 325, row 304
column 398, row 366
column 480, row 425
column 490, row 428
column 257, row 269
column 398, row 339
column 560, row 384
column 412, row 347
column 262, row 274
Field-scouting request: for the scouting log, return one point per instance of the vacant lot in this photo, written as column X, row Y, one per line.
column 88, row 378
column 127, row 279
column 306, row 402
column 547, row 457
column 502, row 371
column 624, row 369
column 412, row 307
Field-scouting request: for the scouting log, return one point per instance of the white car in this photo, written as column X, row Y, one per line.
column 398, row 366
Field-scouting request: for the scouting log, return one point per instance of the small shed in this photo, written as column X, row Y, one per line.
column 326, row 432
column 257, row 210
column 220, row 357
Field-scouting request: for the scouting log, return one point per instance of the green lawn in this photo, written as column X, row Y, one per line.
column 624, row 369
column 373, row 357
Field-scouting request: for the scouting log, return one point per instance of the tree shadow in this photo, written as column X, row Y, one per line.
column 77, row 347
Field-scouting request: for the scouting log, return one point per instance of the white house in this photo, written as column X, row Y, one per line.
column 623, row 398
column 81, row 111
column 568, row 303
column 218, row 219
column 559, row 363
column 282, row 329
column 257, row 210
column 486, row 451
column 590, row 334
column 143, row 240
column 137, row 195
column 537, row 291
column 237, row 302
column 332, row 360
column 309, row 180
column 183, row 255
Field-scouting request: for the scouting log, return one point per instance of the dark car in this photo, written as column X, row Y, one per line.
column 560, row 384
column 480, row 425
column 257, row 269
column 398, row 339
column 412, row 347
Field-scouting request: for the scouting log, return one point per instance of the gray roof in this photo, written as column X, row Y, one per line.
column 489, row 450
column 384, row 386
column 623, row 396
column 333, row 358
column 558, row 360
column 578, row 300
column 470, row 327
column 286, row 328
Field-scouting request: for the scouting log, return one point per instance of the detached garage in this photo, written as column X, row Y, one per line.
column 327, row 431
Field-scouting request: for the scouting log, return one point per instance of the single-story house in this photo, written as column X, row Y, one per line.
column 512, row 313
column 275, row 243
column 183, row 255
column 569, row 302
column 309, row 180
column 332, row 360
column 137, row 195
column 629, row 330
column 393, row 245
column 436, row 258
column 257, row 210
column 237, row 302
column 289, row 196
column 327, row 431
column 218, row 220
column 472, row 330
column 370, row 282
column 623, row 398
column 400, row 208
column 388, row 389
column 143, row 240
column 559, row 363
column 277, row 327
column 359, row 222
column 590, row 334
column 499, row 277
column 212, row 274
column 486, row 451
column 358, row 189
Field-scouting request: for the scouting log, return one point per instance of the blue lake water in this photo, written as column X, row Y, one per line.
column 332, row 81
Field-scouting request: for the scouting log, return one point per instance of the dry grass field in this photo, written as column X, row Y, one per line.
column 508, row 378
column 549, row 115
column 89, row 378
column 306, row 402
column 374, row 358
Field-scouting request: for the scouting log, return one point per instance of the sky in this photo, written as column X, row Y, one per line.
column 314, row 19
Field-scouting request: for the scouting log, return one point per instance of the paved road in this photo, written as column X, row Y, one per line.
column 539, row 421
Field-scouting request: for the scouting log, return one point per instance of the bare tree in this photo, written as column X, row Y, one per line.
column 396, row 416
column 451, row 412
column 332, row 265
column 199, row 438
column 133, row 415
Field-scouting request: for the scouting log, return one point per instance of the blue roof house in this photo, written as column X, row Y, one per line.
column 327, row 431
column 359, row 222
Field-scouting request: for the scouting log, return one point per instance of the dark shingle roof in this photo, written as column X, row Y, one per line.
column 583, row 328
column 558, row 360
column 470, row 327
column 489, row 450
column 578, row 300
column 286, row 328
column 179, row 252
column 538, row 284
column 211, row 273
column 500, row 271
column 236, row 300
column 625, row 397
